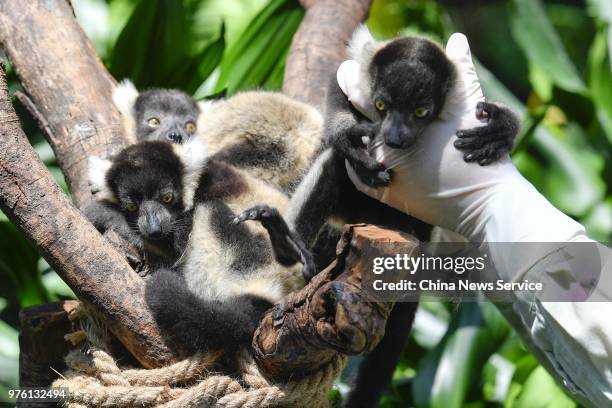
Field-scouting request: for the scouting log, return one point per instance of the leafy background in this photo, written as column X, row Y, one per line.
column 548, row 60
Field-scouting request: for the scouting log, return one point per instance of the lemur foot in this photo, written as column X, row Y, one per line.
column 130, row 250
column 287, row 247
column 487, row 144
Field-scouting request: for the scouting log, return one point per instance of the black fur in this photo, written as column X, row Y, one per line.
column 287, row 247
column 173, row 109
column 191, row 324
column 141, row 176
column 408, row 75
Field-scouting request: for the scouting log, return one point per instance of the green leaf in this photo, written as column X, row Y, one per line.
column 257, row 53
column 574, row 181
column 467, row 345
column 18, row 266
column 540, row 391
column 598, row 222
column 541, row 44
column 600, row 80
column 153, row 44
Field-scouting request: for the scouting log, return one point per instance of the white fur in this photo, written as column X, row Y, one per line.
column 362, row 45
column 298, row 200
column 193, row 155
column 98, row 168
column 124, row 97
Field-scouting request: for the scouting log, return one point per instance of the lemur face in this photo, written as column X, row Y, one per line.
column 411, row 77
column 146, row 181
column 165, row 115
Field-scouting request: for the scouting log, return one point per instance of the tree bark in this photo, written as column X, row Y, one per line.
column 319, row 46
column 332, row 314
column 96, row 272
column 60, row 70
column 41, row 342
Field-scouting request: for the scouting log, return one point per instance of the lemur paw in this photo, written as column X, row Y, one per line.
column 487, row 144
column 287, row 247
column 262, row 213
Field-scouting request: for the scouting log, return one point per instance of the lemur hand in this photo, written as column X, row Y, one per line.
column 487, row 144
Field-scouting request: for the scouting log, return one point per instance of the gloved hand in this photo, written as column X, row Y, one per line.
column 495, row 203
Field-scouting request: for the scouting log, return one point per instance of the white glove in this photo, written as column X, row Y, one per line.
column 495, row 203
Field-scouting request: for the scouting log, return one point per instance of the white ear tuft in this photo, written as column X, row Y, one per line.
column 98, row 169
column 362, row 45
column 193, row 154
column 124, row 97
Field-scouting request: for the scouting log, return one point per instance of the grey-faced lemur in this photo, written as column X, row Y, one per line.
column 408, row 80
column 225, row 273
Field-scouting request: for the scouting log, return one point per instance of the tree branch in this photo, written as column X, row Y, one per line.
column 319, row 46
column 61, row 72
column 96, row 272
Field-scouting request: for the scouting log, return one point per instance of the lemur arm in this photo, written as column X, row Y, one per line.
column 287, row 247
column 487, row 144
column 345, row 129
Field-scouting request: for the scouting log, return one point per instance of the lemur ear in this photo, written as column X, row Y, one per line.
column 193, row 154
column 124, row 97
column 362, row 45
column 98, row 169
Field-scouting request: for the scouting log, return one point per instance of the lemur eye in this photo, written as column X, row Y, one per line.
column 380, row 105
column 167, row 198
column 154, row 122
column 421, row 112
column 131, row 207
column 190, row 127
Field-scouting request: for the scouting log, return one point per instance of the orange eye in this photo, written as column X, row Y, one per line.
column 167, row 198
column 190, row 127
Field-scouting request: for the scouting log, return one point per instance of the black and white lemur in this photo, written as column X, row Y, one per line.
column 407, row 80
column 265, row 135
column 224, row 274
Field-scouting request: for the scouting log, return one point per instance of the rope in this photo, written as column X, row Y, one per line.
column 94, row 379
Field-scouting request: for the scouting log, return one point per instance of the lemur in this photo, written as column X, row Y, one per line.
column 225, row 273
column 407, row 80
column 266, row 135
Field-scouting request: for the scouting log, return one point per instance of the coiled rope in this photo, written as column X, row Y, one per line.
column 94, row 379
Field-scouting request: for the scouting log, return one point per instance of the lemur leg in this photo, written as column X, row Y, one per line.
column 287, row 247
column 486, row 144
column 191, row 324
column 376, row 370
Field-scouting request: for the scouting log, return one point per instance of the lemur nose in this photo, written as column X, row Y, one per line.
column 175, row 137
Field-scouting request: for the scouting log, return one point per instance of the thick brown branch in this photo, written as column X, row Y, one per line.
column 333, row 314
column 319, row 46
column 82, row 257
column 70, row 87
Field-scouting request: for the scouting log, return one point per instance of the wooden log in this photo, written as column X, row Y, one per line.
column 333, row 313
column 319, row 46
column 61, row 72
column 41, row 342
